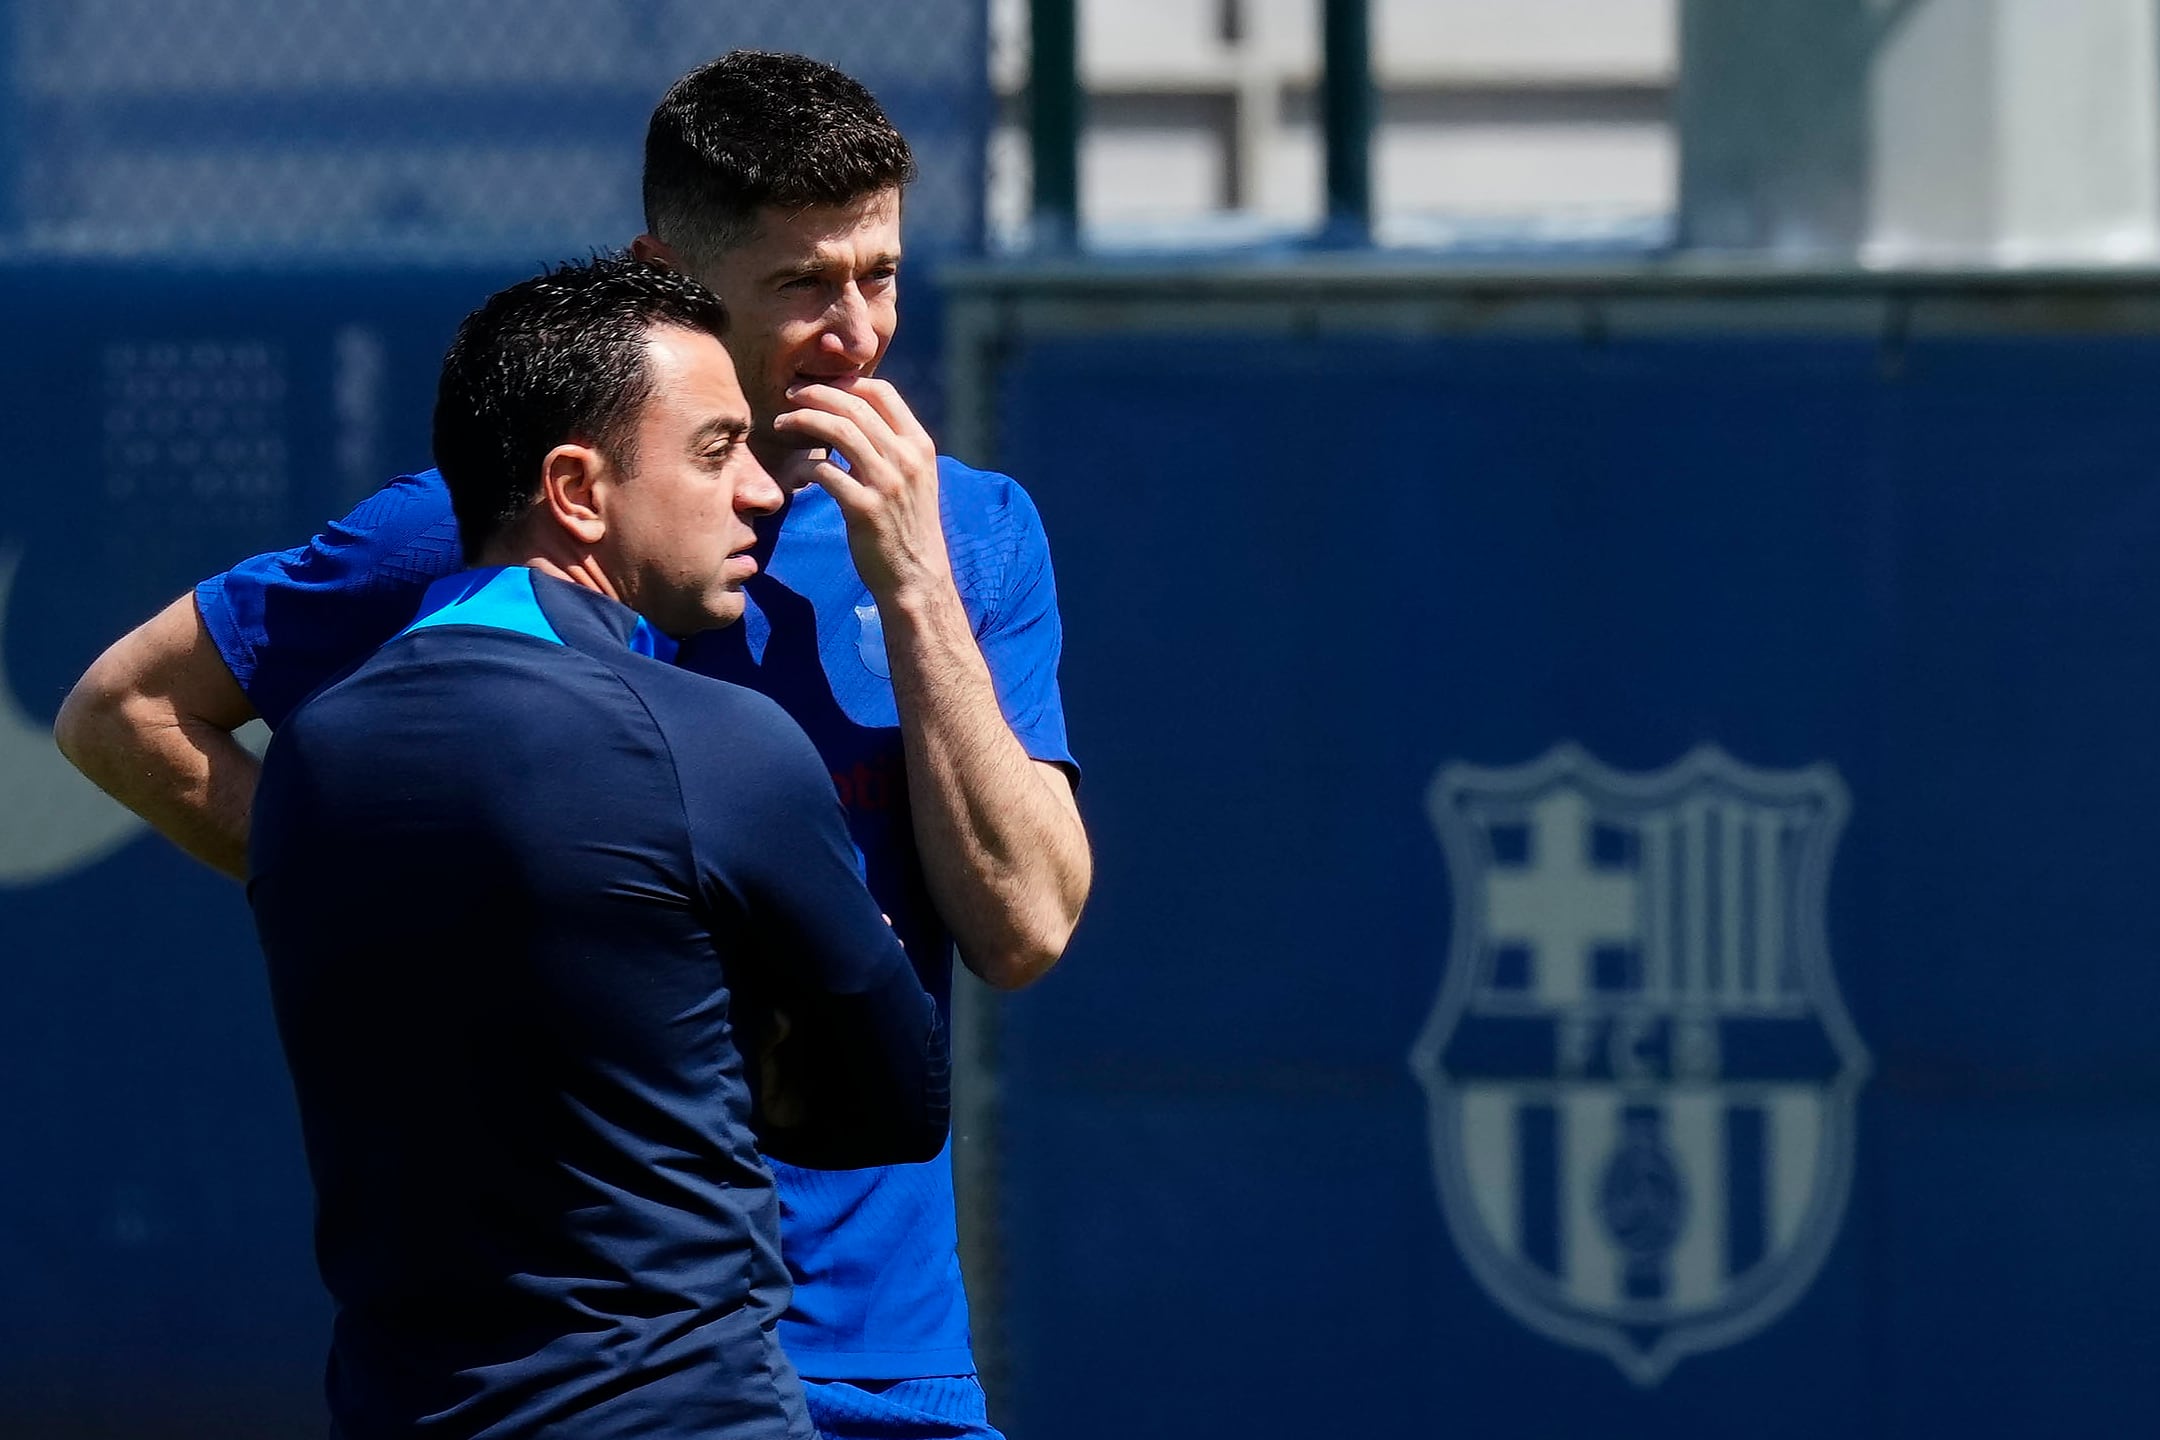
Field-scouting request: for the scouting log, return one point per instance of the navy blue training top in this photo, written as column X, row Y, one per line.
column 511, row 877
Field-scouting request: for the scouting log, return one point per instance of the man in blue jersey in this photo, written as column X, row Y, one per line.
column 524, row 889
column 905, row 616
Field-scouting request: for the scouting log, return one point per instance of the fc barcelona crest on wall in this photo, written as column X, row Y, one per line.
column 1640, row 1077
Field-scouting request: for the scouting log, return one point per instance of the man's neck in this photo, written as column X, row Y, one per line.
column 581, row 570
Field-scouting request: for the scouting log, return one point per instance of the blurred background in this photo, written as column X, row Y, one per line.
column 1607, row 553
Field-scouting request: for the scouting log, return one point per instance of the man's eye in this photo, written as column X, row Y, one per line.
column 803, row 283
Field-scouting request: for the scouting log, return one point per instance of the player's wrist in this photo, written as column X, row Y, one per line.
column 923, row 599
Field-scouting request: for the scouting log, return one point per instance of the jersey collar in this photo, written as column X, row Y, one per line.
column 518, row 599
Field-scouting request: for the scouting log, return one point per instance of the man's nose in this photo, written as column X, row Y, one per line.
column 757, row 493
column 849, row 334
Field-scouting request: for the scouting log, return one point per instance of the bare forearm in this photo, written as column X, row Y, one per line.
column 151, row 725
column 1003, row 848
column 194, row 784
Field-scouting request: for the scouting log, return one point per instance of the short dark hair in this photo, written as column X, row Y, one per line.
column 753, row 129
column 555, row 359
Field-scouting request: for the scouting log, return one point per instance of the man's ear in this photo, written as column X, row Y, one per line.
column 574, row 480
column 654, row 251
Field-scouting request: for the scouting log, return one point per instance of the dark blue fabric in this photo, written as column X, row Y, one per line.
column 521, row 897
column 941, row 1407
column 873, row 1253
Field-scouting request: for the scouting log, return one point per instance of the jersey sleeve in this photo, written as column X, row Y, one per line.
column 847, row 1054
column 288, row 621
column 1023, row 636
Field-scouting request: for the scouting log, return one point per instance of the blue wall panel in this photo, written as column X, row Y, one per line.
column 1297, row 580
column 1299, row 577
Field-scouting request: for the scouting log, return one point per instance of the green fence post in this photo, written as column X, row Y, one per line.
column 1347, row 115
column 1054, row 121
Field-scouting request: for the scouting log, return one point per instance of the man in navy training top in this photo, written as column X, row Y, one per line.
column 920, row 657
column 524, row 888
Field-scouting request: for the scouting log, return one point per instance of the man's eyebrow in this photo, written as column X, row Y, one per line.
column 819, row 264
column 720, row 427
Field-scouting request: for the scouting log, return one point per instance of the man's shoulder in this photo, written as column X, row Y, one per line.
column 414, row 487
column 981, row 491
column 735, row 752
column 703, row 712
column 992, row 530
column 471, row 682
column 410, row 504
column 419, row 665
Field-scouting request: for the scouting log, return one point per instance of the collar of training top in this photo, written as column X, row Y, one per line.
column 518, row 599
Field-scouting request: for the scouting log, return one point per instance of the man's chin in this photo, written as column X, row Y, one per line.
column 723, row 609
column 716, row 611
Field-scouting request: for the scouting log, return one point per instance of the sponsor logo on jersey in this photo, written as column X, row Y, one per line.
column 872, row 785
column 1640, row 1076
column 52, row 820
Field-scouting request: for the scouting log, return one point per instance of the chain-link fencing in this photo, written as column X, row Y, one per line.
column 180, row 127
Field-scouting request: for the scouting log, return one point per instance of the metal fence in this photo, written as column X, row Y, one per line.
column 509, row 127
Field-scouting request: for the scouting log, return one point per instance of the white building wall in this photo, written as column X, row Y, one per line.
column 1487, row 109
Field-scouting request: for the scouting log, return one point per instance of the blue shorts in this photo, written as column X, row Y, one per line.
column 944, row 1407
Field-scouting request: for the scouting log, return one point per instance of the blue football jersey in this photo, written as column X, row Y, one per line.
column 873, row 1253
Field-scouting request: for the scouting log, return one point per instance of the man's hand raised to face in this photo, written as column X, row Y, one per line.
column 887, row 492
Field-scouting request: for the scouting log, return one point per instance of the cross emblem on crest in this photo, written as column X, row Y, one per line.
column 1559, row 905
